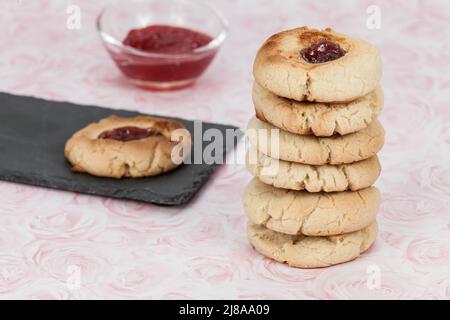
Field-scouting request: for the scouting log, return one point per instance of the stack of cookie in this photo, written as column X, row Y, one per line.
column 313, row 148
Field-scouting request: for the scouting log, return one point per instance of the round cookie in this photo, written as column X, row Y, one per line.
column 313, row 150
column 311, row 252
column 281, row 68
column 310, row 214
column 319, row 119
column 128, row 147
column 324, row 178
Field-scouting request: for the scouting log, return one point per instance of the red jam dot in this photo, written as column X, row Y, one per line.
column 128, row 133
column 322, row 51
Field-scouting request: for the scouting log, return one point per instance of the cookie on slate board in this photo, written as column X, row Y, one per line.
column 313, row 150
column 127, row 147
column 317, row 65
column 311, row 214
column 311, row 252
column 326, row 178
column 319, row 119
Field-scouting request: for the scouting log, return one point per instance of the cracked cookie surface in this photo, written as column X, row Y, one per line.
column 280, row 68
column 319, row 119
column 323, row 178
column 89, row 152
column 308, row 149
column 311, row 252
column 311, row 214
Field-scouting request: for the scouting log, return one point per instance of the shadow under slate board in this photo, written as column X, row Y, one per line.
column 33, row 133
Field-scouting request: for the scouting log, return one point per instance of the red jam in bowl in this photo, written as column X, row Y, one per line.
column 166, row 39
column 128, row 133
column 172, row 56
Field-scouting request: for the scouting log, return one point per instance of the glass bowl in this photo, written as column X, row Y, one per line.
column 160, row 71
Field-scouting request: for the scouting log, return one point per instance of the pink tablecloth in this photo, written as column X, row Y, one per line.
column 65, row 245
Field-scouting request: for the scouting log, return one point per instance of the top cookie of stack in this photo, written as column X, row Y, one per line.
column 355, row 72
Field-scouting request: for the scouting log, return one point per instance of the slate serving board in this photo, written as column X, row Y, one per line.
column 33, row 133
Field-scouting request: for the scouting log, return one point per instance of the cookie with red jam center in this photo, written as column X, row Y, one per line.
column 307, row 64
column 128, row 147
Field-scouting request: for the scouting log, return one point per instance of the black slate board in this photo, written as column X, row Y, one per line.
column 32, row 137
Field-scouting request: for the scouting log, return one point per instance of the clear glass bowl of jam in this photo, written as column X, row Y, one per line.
column 162, row 44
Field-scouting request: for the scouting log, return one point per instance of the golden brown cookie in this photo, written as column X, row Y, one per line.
column 313, row 150
column 311, row 252
column 292, row 64
column 311, row 214
column 320, row 119
column 326, row 178
column 128, row 147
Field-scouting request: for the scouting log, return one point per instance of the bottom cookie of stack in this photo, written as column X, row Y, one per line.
column 311, row 252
